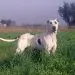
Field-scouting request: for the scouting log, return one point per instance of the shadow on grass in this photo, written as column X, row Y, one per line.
column 30, row 55
column 5, row 63
column 36, row 55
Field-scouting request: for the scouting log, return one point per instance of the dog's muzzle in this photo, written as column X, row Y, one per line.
column 53, row 28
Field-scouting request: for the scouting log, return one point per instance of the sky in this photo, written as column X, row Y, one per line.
column 30, row 11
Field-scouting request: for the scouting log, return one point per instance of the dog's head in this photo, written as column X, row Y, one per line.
column 53, row 24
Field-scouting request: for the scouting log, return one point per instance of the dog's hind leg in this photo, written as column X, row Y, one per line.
column 20, row 49
column 22, row 44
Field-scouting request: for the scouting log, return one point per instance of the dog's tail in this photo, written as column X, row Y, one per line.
column 9, row 40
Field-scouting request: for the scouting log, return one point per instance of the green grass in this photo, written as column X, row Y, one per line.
column 34, row 62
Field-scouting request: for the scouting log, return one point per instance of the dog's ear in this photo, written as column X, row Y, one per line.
column 47, row 21
column 57, row 20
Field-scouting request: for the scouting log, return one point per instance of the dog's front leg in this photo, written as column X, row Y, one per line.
column 54, row 48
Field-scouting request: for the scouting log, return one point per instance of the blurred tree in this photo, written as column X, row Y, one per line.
column 3, row 22
column 67, row 12
column 8, row 22
column 72, row 13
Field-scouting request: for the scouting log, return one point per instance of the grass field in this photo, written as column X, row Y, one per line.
column 34, row 62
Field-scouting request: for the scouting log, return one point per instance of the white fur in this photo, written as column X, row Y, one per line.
column 48, row 39
column 8, row 40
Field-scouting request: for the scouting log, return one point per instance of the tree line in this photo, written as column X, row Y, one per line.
column 66, row 12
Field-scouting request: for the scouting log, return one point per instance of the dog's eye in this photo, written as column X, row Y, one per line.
column 50, row 22
column 55, row 22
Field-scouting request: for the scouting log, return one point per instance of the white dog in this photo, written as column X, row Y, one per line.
column 47, row 40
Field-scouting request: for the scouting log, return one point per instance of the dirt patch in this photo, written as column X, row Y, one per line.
column 23, row 29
